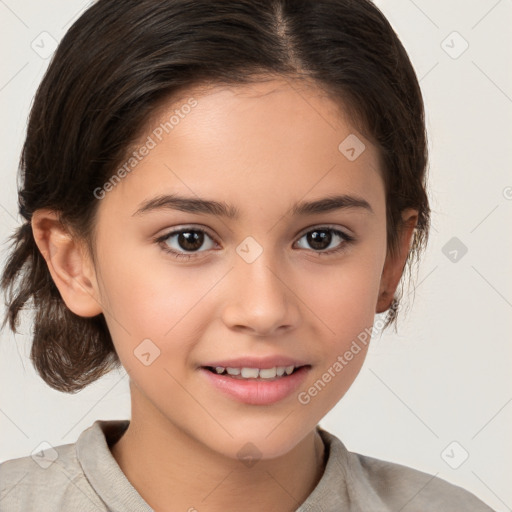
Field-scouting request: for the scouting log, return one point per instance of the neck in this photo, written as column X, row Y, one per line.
column 168, row 467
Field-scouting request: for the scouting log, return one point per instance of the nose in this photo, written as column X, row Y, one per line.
column 261, row 300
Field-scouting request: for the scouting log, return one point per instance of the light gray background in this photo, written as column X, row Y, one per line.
column 445, row 376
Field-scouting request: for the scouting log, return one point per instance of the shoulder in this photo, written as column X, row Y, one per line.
column 51, row 479
column 398, row 487
column 416, row 490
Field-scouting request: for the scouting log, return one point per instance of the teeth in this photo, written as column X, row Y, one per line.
column 248, row 373
column 254, row 373
column 269, row 373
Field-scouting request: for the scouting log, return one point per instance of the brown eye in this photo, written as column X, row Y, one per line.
column 320, row 240
column 190, row 240
column 182, row 241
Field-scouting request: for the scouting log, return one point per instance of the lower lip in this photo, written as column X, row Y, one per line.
column 257, row 391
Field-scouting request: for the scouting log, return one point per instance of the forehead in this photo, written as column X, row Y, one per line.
column 269, row 139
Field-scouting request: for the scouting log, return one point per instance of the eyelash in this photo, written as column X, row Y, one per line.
column 178, row 255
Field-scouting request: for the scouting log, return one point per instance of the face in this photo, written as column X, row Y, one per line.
column 186, row 288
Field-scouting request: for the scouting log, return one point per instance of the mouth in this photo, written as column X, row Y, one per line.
column 249, row 373
column 256, row 386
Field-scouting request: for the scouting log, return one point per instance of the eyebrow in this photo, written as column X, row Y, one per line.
column 222, row 209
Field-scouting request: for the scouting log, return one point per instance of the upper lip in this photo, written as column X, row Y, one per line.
column 257, row 362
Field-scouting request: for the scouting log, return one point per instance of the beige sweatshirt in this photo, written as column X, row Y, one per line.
column 85, row 477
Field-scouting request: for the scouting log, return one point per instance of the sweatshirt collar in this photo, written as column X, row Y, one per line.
column 113, row 487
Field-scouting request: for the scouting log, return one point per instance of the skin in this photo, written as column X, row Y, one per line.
column 261, row 148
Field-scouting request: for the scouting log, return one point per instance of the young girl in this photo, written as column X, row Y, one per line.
column 219, row 196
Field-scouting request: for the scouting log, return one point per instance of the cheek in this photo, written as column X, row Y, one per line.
column 156, row 301
column 345, row 297
column 147, row 292
column 347, row 311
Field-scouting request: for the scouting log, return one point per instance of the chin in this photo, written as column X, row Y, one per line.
column 265, row 441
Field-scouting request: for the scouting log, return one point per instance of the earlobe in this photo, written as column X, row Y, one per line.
column 71, row 270
column 394, row 264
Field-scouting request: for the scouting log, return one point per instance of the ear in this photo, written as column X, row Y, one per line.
column 394, row 265
column 68, row 263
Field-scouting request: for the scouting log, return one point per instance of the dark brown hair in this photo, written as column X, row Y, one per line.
column 120, row 61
